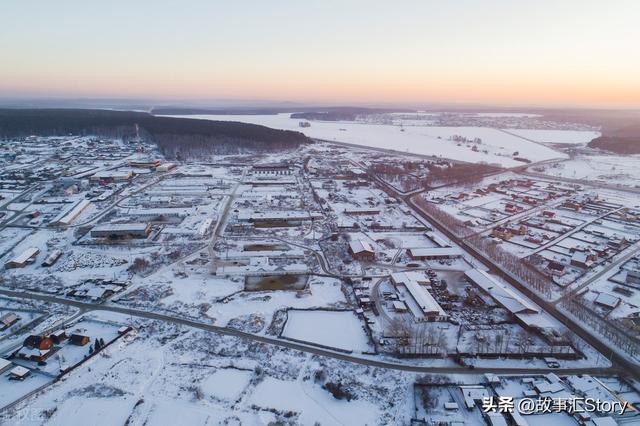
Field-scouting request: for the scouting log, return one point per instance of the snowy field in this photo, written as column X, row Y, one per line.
column 316, row 405
column 571, row 137
column 226, row 383
column 341, row 330
column 604, row 168
column 425, row 140
column 163, row 374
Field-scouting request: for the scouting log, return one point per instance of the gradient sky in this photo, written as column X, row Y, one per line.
column 539, row 52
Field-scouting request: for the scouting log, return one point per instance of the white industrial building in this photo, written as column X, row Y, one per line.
column 66, row 217
column 23, row 259
column 429, row 307
column 434, row 253
column 522, row 309
column 121, row 230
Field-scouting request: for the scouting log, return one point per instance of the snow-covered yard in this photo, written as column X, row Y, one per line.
column 336, row 329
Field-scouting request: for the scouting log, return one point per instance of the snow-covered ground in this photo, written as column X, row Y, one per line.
column 318, row 404
column 163, row 374
column 425, row 140
column 342, row 330
column 610, row 169
column 572, row 137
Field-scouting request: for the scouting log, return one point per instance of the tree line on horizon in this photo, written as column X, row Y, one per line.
column 176, row 137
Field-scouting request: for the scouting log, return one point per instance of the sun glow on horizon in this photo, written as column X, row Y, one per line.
column 540, row 53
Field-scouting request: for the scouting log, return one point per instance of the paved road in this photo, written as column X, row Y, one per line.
column 222, row 219
column 89, row 307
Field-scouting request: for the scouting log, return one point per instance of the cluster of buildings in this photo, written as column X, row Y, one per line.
column 415, row 286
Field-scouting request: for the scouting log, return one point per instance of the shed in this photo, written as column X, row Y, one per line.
column 8, row 319
column 79, row 339
column 22, row 259
column 19, row 373
column 4, row 365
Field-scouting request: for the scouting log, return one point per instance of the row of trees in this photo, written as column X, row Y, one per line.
column 417, row 338
column 613, row 333
column 457, row 173
column 173, row 135
column 511, row 264
column 534, row 279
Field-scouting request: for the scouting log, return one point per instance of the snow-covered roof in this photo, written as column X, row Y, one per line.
column 168, row 211
column 437, row 239
column 422, row 297
column 121, row 227
column 66, row 217
column 19, row 371
column 4, row 363
column 546, row 387
column 604, row 421
column 435, row 252
column 25, row 255
column 606, row 299
column 496, row 419
column 360, row 246
column 506, row 297
column 278, row 214
column 27, row 352
column 361, row 210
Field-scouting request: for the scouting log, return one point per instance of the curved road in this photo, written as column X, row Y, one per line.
column 88, row 307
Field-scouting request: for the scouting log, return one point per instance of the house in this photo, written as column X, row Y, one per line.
column 165, row 167
column 361, row 250
column 38, row 342
column 58, row 336
column 556, row 268
column 617, row 242
column 517, row 229
column 523, row 310
column 272, row 168
column 548, row 214
column 79, row 339
column 512, row 208
column 124, row 330
column 362, row 211
column 35, row 354
column 7, row 320
column 572, row 205
column 399, row 306
column 607, row 301
column 602, row 251
column 460, row 196
column 535, row 239
column 19, row 373
column 580, row 260
column 633, row 276
column 501, row 232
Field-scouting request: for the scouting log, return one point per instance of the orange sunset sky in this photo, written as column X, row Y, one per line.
column 569, row 53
